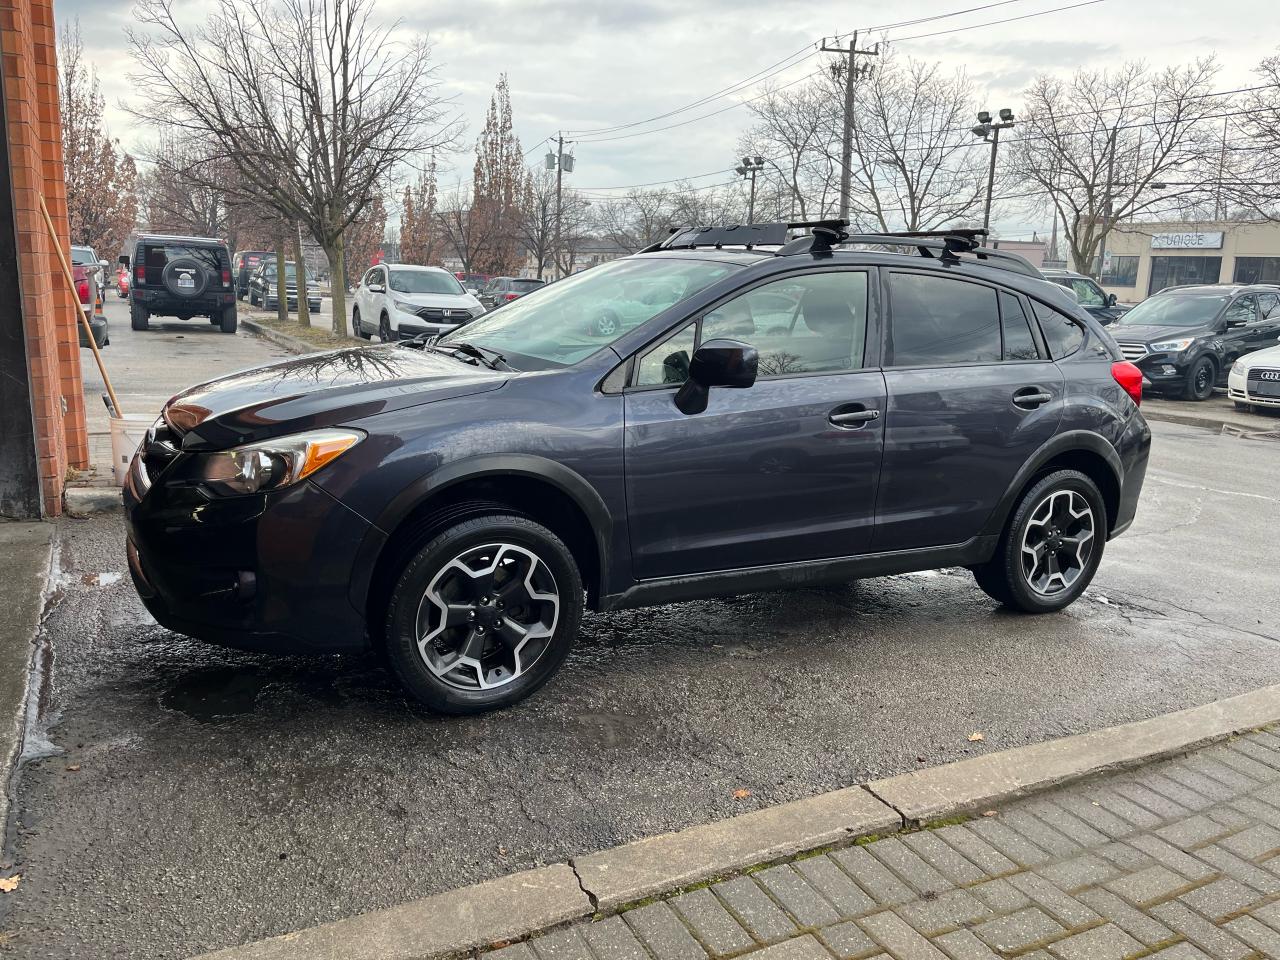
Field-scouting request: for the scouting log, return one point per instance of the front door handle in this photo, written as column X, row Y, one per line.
column 853, row 419
column 1028, row 398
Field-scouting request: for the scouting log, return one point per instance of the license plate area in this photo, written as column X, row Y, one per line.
column 187, row 282
column 1265, row 388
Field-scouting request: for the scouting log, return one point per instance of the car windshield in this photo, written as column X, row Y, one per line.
column 424, row 281
column 564, row 322
column 1174, row 310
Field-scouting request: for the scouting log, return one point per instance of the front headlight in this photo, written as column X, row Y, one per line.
column 1173, row 346
column 272, row 464
column 478, row 311
column 1239, row 369
column 403, row 306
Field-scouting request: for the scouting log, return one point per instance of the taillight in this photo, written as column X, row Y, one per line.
column 1130, row 379
column 82, row 290
column 226, row 278
column 140, row 274
column 511, row 296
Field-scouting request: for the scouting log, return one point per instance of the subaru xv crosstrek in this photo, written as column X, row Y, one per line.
column 808, row 410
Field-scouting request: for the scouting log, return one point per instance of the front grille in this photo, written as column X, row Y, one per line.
column 441, row 314
column 1263, row 375
column 1133, row 351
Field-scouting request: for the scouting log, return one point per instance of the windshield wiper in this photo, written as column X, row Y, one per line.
column 490, row 358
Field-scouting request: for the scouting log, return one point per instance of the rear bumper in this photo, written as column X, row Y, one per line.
column 1135, row 451
column 258, row 573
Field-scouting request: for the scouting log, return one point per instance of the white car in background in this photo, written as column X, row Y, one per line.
column 1254, row 380
column 399, row 302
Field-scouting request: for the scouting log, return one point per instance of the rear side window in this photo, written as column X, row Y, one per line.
column 1019, row 344
column 1062, row 334
column 936, row 321
column 526, row 285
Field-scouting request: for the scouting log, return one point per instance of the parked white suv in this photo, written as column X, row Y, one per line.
column 1254, row 379
column 398, row 302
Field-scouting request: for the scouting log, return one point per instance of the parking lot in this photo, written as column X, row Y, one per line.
column 178, row 797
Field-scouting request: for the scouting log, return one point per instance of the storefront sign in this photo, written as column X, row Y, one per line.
column 1192, row 240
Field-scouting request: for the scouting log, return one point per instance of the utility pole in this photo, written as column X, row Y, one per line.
column 989, row 131
column 749, row 167
column 563, row 164
column 852, row 71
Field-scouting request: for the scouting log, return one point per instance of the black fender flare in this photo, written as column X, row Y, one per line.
column 567, row 481
column 1069, row 442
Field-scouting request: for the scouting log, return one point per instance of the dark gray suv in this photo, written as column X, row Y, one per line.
column 797, row 411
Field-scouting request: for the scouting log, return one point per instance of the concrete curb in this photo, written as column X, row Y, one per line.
column 292, row 344
column 82, row 501
column 527, row 903
column 26, row 559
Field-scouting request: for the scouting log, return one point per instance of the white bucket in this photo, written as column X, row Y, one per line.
column 127, row 433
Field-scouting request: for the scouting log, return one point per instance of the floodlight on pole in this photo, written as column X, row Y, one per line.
column 749, row 167
column 987, row 130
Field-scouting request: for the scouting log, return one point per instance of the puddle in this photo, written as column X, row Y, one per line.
column 214, row 695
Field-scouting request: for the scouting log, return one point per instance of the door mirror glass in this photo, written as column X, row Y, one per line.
column 717, row 363
column 1111, row 299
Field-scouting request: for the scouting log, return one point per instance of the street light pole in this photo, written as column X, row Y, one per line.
column 563, row 164
column 749, row 167
column 989, row 131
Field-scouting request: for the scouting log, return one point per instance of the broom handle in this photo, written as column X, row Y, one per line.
column 75, row 298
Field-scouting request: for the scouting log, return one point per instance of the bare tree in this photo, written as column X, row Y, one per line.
column 1103, row 143
column 793, row 132
column 470, row 232
column 1249, row 162
column 314, row 102
column 102, row 181
column 637, row 219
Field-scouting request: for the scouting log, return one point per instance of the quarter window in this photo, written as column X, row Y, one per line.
column 1269, row 306
column 936, row 321
column 1019, row 344
column 1062, row 334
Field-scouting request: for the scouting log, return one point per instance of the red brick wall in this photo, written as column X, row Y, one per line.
column 29, row 49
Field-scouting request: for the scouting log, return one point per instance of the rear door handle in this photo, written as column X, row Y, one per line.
column 853, row 419
column 1030, row 397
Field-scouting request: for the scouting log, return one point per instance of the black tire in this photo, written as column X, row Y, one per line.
column 1004, row 577
column 384, row 329
column 1241, row 405
column 228, row 321
column 552, row 568
column 1200, row 380
column 139, row 318
column 356, row 327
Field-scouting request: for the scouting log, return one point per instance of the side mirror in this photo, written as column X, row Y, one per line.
column 717, row 363
column 1111, row 299
column 124, row 260
column 376, row 288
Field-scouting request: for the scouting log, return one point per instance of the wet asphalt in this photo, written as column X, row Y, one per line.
column 178, row 798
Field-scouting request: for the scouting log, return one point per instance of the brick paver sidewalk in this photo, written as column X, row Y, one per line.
column 1176, row 860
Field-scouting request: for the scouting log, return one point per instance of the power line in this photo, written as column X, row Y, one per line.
column 993, row 23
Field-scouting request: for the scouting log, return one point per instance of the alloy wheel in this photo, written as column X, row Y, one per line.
column 1057, row 542
column 487, row 616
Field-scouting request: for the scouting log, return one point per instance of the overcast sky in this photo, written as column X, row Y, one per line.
column 588, row 64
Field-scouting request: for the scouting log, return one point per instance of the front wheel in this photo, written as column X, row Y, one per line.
column 484, row 614
column 1199, row 382
column 384, row 329
column 1051, row 547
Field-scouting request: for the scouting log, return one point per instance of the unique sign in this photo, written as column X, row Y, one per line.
column 1191, row 240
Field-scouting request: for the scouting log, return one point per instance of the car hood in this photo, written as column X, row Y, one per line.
column 1267, row 356
column 318, row 390
column 1150, row 332
column 445, row 301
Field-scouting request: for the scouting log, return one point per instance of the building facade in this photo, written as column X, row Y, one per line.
column 1142, row 259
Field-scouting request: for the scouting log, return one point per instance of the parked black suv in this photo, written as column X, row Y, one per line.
column 264, row 291
column 1100, row 305
column 1185, row 339
column 804, row 412
column 181, row 277
column 242, row 266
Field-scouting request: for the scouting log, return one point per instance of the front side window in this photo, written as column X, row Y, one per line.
column 575, row 317
column 1241, row 312
column 1087, row 293
column 1062, row 334
column 937, row 321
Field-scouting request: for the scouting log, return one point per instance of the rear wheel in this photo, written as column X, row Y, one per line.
column 253, row 298
column 228, row 320
column 356, row 326
column 139, row 318
column 1200, row 378
column 483, row 614
column 1051, row 547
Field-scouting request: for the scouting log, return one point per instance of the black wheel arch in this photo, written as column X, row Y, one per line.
column 1080, row 450
column 543, row 490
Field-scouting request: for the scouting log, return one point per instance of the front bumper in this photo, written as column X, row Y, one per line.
column 268, row 572
column 1242, row 390
column 408, row 327
column 1164, row 370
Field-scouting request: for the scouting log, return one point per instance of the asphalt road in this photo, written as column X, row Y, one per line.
column 181, row 798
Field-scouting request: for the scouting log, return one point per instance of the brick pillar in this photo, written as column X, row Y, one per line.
column 28, row 47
